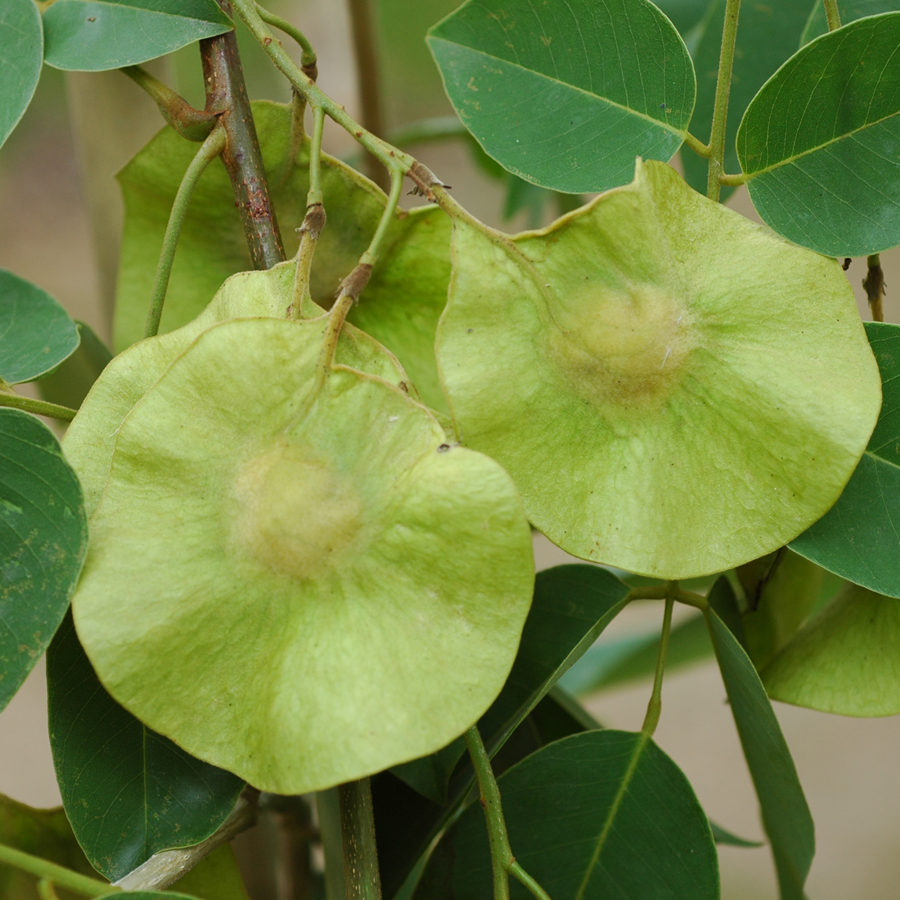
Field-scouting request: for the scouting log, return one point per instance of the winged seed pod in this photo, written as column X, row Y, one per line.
column 291, row 573
column 674, row 389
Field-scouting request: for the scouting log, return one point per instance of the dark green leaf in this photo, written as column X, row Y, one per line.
column 859, row 537
column 70, row 382
column 722, row 836
column 567, row 93
column 21, row 54
column 628, row 659
column 785, row 814
column 128, row 791
column 36, row 333
column 768, row 33
column 850, row 11
column 585, row 815
column 818, row 142
column 403, row 299
column 94, row 35
column 572, row 605
column 43, row 539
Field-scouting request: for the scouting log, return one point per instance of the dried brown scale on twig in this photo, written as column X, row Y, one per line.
column 354, row 284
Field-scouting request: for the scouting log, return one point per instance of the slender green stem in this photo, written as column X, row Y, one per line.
column 689, row 598
column 501, row 852
column 832, row 15
column 59, row 875
column 723, row 89
column 649, row 593
column 654, row 707
column 209, row 150
column 733, row 180
column 38, row 407
column 313, row 222
column 697, row 145
column 298, row 136
column 873, row 285
column 46, row 891
column 370, row 257
column 361, row 876
column 190, row 123
column 503, row 863
column 308, row 55
column 390, row 157
column 524, row 878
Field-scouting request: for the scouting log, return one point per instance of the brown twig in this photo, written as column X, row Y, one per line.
column 367, row 77
column 226, row 90
column 873, row 284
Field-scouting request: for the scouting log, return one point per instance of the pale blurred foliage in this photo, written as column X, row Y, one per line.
column 848, row 767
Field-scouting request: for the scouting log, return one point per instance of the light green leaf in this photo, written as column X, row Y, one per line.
column 768, row 33
column 819, row 142
column 68, row 384
column 94, row 35
column 633, row 364
column 21, row 55
column 43, row 539
column 36, row 333
column 859, row 538
column 850, row 10
column 778, row 603
column 320, row 554
column 401, row 304
column 585, row 815
column 567, row 93
column 785, row 814
column 845, row 659
column 128, row 791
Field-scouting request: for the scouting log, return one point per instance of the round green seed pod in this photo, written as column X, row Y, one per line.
column 292, row 573
column 674, row 389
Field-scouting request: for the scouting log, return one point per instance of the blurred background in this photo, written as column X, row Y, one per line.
column 60, row 228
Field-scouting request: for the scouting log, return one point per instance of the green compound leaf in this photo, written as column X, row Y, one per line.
column 567, row 93
column 43, row 539
column 859, row 538
column 95, row 35
column 674, row 389
column 785, row 814
column 818, row 142
column 572, row 604
column 36, row 333
column 585, row 815
column 850, row 11
column 401, row 304
column 845, row 659
column 127, row 791
column 21, row 55
column 361, row 583
column 768, row 34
